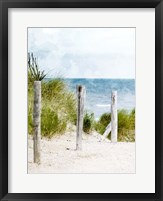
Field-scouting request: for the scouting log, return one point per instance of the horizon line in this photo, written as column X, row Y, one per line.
column 89, row 78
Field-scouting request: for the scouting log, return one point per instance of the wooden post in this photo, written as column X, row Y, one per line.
column 80, row 114
column 114, row 119
column 36, row 121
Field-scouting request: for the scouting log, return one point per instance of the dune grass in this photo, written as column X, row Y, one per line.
column 58, row 104
column 88, row 122
column 58, row 107
column 126, row 125
column 104, row 120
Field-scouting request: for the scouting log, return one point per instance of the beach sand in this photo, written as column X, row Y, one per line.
column 58, row 155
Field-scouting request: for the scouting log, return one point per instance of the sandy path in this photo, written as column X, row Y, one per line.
column 58, row 155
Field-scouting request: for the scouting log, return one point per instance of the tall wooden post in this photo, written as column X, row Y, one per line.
column 114, row 120
column 80, row 115
column 36, row 121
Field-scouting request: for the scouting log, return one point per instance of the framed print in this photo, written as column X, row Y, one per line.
column 81, row 100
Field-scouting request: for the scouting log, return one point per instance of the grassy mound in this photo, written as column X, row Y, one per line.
column 126, row 125
column 58, row 104
column 58, row 107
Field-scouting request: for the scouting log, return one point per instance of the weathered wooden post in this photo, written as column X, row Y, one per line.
column 36, row 121
column 80, row 114
column 114, row 120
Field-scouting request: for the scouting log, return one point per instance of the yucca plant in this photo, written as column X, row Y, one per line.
column 34, row 74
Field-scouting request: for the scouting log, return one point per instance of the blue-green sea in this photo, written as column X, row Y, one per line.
column 98, row 93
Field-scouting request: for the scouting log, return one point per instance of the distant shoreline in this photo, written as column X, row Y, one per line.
column 98, row 92
column 51, row 78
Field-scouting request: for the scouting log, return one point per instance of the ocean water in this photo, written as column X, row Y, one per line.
column 98, row 93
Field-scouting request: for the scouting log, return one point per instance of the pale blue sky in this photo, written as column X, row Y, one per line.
column 84, row 52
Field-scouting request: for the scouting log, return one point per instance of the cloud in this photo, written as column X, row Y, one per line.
column 85, row 52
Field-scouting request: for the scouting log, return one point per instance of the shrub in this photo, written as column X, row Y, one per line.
column 88, row 122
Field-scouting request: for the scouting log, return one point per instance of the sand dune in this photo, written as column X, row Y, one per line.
column 58, row 155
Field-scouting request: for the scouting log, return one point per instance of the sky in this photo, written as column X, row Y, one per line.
column 84, row 52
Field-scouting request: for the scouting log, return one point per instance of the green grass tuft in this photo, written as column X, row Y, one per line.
column 101, row 125
column 126, row 125
column 88, row 122
column 58, row 107
column 51, row 124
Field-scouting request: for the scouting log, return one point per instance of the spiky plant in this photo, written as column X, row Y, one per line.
column 34, row 74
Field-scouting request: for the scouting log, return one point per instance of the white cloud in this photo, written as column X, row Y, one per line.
column 85, row 52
